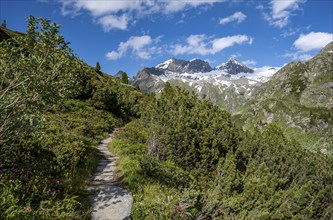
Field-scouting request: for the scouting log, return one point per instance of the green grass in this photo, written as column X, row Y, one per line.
column 50, row 178
column 157, row 186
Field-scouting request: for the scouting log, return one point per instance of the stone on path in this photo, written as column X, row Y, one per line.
column 109, row 202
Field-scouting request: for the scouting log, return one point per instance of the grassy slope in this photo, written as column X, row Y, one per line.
column 156, row 185
column 298, row 99
column 163, row 190
column 49, row 181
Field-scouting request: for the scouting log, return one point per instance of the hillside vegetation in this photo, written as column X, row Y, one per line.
column 53, row 111
column 186, row 159
column 182, row 157
column 299, row 98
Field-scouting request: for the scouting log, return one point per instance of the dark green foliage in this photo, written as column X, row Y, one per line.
column 183, row 159
column 155, row 184
column 98, row 67
column 165, row 172
column 124, row 78
column 42, row 175
column 124, row 102
column 270, row 176
column 219, row 170
column 50, row 123
column 194, row 133
column 34, row 75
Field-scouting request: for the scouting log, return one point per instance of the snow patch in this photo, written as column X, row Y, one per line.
column 164, row 65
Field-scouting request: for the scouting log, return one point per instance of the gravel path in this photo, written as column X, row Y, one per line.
column 109, row 202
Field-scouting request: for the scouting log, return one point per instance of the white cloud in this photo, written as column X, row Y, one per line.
column 313, row 41
column 113, row 22
column 196, row 44
column 116, row 14
column 239, row 17
column 281, row 11
column 99, row 8
column 142, row 47
column 176, row 6
column 224, row 42
column 204, row 45
column 306, row 45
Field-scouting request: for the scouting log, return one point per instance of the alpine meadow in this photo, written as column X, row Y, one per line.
column 166, row 137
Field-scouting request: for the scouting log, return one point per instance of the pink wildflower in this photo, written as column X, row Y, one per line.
column 28, row 208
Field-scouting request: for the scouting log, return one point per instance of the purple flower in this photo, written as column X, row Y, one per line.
column 15, row 169
column 56, row 182
column 50, row 192
column 178, row 208
column 28, row 208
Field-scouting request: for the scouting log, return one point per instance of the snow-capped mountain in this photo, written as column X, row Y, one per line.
column 225, row 85
column 233, row 67
column 183, row 66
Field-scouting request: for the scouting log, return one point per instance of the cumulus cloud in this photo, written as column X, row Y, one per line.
column 98, row 8
column 239, row 17
column 306, row 45
column 196, row 44
column 118, row 14
column 313, row 41
column 281, row 11
column 114, row 22
column 204, row 45
column 176, row 6
column 224, row 42
column 142, row 47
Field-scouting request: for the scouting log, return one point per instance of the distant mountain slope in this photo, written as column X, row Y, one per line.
column 229, row 85
column 183, row 66
column 299, row 97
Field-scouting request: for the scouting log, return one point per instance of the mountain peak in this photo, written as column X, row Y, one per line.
column 234, row 66
column 165, row 64
column 184, row 66
column 234, row 60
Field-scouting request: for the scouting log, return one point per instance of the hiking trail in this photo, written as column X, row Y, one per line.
column 109, row 201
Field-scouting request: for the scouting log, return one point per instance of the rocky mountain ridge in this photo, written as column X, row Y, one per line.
column 233, row 67
column 229, row 85
column 183, row 66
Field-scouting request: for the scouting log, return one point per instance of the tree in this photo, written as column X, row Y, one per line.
column 4, row 24
column 33, row 76
column 191, row 132
column 98, row 67
column 124, row 78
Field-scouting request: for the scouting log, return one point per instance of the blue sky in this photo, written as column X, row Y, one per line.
column 131, row 34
